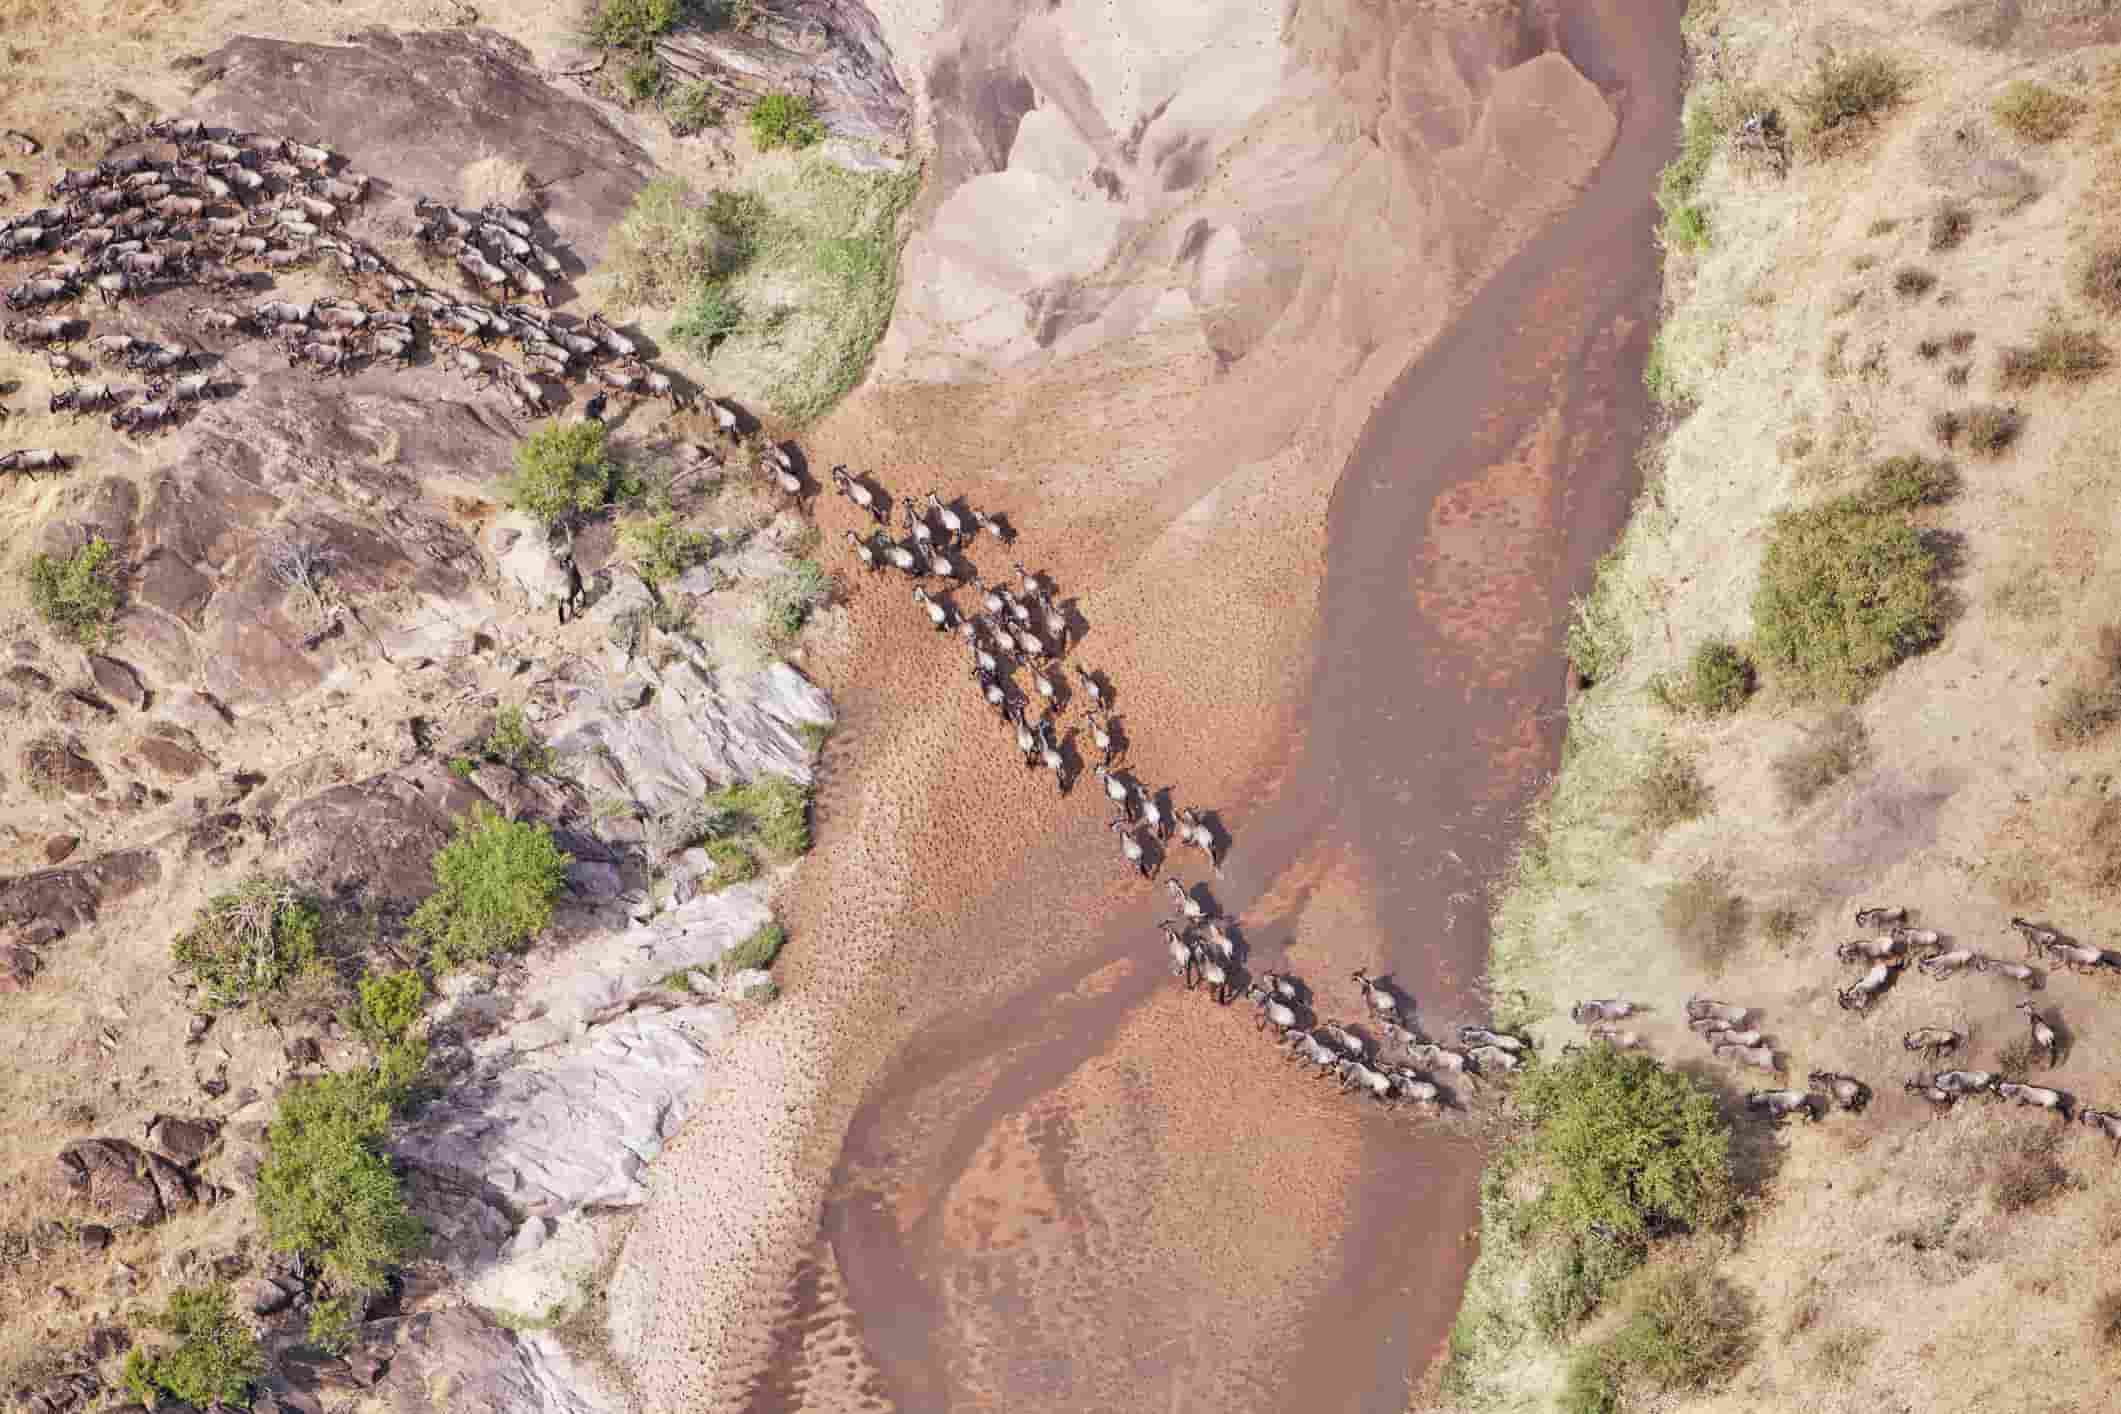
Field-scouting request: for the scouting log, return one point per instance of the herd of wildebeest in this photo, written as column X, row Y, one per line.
column 221, row 213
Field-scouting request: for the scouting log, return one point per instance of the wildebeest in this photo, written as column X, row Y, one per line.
column 25, row 459
column 29, row 333
column 143, row 418
column 84, row 398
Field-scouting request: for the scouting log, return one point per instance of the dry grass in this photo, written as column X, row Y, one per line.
column 1833, row 749
column 2036, row 112
column 1669, row 793
column 1950, row 224
column 490, row 180
column 2087, row 708
column 2026, row 595
column 2106, row 1319
column 1913, row 282
column 2028, row 1174
column 1705, row 917
column 1990, row 430
column 2060, row 352
column 1841, row 1355
column 2099, row 277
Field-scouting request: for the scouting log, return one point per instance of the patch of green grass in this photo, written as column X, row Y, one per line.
column 1657, row 376
column 1705, row 917
column 1717, row 681
column 1847, row 590
column 2060, row 352
column 248, row 941
column 733, row 864
column 785, row 120
column 712, row 316
column 758, row 950
column 660, row 547
column 1599, row 639
column 1686, row 224
column 1905, row 482
column 327, row 1191
column 2036, row 112
column 1569, row 1277
column 78, row 594
column 561, row 468
column 1847, row 95
column 669, row 245
column 642, row 79
column 388, row 1005
column 815, row 735
column 771, row 809
column 791, row 599
column 495, row 885
column 514, row 742
column 211, row 1358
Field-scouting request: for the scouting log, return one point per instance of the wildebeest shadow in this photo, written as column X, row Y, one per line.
column 1757, row 1153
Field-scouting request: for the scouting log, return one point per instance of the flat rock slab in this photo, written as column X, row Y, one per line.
column 377, row 837
column 413, row 109
column 459, row 1362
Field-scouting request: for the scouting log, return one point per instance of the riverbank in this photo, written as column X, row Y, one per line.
column 1734, row 786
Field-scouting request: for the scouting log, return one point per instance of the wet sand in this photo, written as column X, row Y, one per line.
column 999, row 1243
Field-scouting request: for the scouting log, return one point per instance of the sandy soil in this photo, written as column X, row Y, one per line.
column 1036, row 1146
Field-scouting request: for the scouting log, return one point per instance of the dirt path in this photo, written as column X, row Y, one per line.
column 1100, row 1191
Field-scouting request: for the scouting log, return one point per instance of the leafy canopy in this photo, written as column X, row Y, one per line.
column 326, row 1189
column 560, row 468
column 1630, row 1148
column 1847, row 590
column 77, row 595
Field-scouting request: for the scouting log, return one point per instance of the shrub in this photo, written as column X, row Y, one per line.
column 1704, row 916
column 1990, row 430
column 332, row 1322
column 1846, row 591
column 1844, row 89
column 1670, row 793
column 1903, row 483
column 2036, row 112
column 642, row 79
column 495, row 883
column 661, row 548
column 667, row 245
column 2106, row 1318
column 791, row 600
column 2099, row 277
column 733, row 864
column 2071, row 355
column 326, row 1191
column 691, row 107
column 2027, row 1176
column 215, row 1359
column 1629, row 1149
column 1950, row 224
column 77, row 595
column 388, row 1006
column 771, row 809
column 248, row 941
column 1688, row 1331
column 1717, row 681
column 785, row 120
column 512, row 741
column 631, row 24
column 758, row 950
column 2089, row 707
column 561, row 468
column 713, row 316
column 1913, row 282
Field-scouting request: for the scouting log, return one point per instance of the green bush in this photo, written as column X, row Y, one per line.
column 1844, row 89
column 667, row 245
column 1903, row 483
column 660, row 547
column 1688, row 1330
column 785, row 120
column 758, row 950
column 495, row 884
column 248, row 941
column 713, row 316
column 791, row 600
column 512, row 741
column 326, row 1190
column 733, row 865
column 2036, row 112
column 332, row 1322
column 1847, row 590
column 632, row 24
column 642, row 79
column 691, row 107
column 77, row 595
column 1717, row 681
column 215, row 1359
column 1629, row 1149
column 561, row 468
column 388, row 1006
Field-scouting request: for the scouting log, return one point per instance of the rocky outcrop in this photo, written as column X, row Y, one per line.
column 45, row 906
column 830, row 51
column 124, row 1183
column 458, row 1362
column 416, row 107
column 377, row 837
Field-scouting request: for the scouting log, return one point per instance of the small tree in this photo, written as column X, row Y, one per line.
column 1629, row 1148
column 77, row 595
column 327, row 1191
column 495, row 884
column 214, row 1361
column 561, row 468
